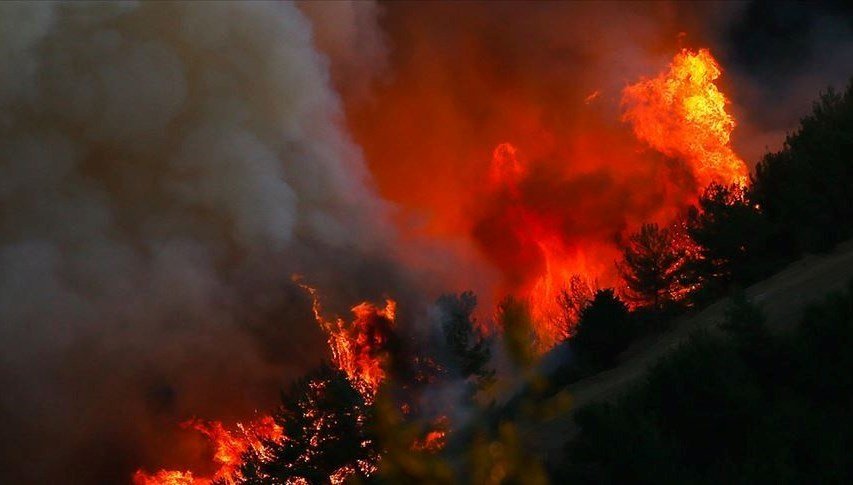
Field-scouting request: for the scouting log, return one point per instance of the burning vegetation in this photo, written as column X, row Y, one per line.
column 229, row 450
column 680, row 113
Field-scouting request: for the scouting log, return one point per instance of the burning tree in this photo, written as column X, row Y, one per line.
column 230, row 447
column 361, row 348
column 572, row 300
column 654, row 266
column 326, row 426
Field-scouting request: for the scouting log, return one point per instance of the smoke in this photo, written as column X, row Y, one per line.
column 164, row 169
column 780, row 55
column 350, row 35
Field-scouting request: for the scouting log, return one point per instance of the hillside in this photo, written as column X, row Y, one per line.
column 782, row 298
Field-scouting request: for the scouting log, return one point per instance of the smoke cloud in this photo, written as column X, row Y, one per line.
column 164, row 169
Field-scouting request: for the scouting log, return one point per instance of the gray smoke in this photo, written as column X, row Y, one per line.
column 164, row 169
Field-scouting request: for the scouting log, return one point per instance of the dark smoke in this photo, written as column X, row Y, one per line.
column 164, row 169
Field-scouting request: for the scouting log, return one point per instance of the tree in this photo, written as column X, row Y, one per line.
column 571, row 301
column 326, row 429
column 715, row 410
column 469, row 350
column 514, row 318
column 654, row 266
column 806, row 189
column 731, row 236
column 605, row 328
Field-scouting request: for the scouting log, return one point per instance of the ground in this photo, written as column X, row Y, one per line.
column 782, row 297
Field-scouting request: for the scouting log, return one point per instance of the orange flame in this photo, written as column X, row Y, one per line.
column 229, row 448
column 682, row 114
column 562, row 263
column 359, row 347
column 436, row 438
column 168, row 477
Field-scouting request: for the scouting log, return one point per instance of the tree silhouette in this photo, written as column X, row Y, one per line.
column 605, row 328
column 469, row 350
column 732, row 235
column 806, row 189
column 514, row 318
column 745, row 406
column 571, row 301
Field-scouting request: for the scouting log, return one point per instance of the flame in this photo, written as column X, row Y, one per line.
column 536, row 231
column 359, row 347
column 168, row 477
column 682, row 114
column 545, row 247
column 229, row 447
column 592, row 97
column 436, row 438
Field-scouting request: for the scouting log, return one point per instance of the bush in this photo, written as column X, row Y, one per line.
column 718, row 411
column 604, row 330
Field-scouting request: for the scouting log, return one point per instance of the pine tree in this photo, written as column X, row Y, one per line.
column 469, row 350
column 654, row 267
column 326, row 427
column 604, row 329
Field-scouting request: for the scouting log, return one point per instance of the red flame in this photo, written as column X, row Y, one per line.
column 359, row 347
column 436, row 438
column 680, row 113
column 229, row 446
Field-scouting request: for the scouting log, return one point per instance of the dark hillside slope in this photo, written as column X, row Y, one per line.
column 782, row 298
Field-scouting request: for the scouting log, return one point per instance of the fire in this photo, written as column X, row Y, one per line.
column 229, row 447
column 549, row 223
column 536, row 232
column 359, row 348
column 682, row 114
column 436, row 438
column 168, row 477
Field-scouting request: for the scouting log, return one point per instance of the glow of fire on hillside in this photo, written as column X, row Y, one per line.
column 680, row 113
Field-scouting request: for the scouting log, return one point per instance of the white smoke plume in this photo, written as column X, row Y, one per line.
column 164, row 169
